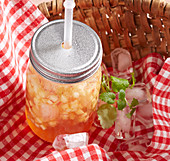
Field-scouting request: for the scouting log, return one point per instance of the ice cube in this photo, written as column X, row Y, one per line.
column 145, row 111
column 124, row 61
column 121, row 63
column 122, row 123
column 139, row 92
column 48, row 112
column 59, row 143
column 68, row 141
column 144, row 115
column 76, row 140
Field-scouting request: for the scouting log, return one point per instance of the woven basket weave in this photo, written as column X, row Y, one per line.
column 140, row 26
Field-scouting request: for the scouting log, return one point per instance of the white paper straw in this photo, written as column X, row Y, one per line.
column 68, row 24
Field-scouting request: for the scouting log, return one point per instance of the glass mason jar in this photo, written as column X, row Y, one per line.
column 62, row 85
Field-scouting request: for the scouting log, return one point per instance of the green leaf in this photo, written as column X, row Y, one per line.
column 134, row 103
column 108, row 97
column 119, row 83
column 122, row 94
column 129, row 115
column 121, row 104
column 107, row 115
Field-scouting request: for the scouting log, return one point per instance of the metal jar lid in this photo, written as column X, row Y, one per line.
column 61, row 65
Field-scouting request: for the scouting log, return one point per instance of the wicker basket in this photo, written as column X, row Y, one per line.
column 140, row 26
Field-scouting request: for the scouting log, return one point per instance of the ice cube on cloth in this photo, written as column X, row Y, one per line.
column 145, row 110
column 121, row 59
column 144, row 119
column 121, row 63
column 122, row 122
column 139, row 92
column 67, row 141
column 135, row 144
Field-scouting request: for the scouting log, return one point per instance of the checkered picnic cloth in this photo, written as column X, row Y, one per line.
column 19, row 19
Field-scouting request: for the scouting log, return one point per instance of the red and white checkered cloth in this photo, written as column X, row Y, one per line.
column 18, row 21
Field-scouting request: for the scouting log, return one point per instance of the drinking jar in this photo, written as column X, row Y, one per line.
column 62, row 86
